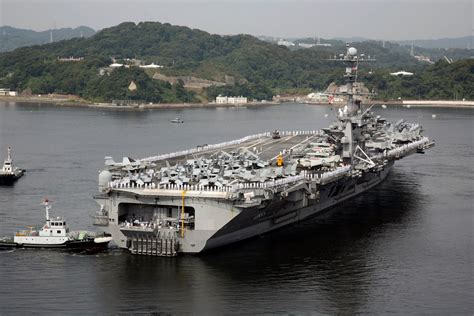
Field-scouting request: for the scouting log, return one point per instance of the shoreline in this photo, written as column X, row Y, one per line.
column 77, row 102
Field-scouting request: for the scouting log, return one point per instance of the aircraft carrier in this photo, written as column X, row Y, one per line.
column 214, row 195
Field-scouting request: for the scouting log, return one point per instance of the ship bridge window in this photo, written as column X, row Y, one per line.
column 58, row 232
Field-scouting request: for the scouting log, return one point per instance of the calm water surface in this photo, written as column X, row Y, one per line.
column 403, row 247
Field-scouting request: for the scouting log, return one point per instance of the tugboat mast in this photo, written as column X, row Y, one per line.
column 47, row 207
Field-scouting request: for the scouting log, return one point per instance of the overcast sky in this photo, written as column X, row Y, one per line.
column 377, row 19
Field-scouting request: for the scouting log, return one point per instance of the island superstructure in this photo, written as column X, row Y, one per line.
column 214, row 195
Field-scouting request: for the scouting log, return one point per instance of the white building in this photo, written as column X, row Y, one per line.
column 401, row 73
column 115, row 65
column 151, row 66
column 285, row 43
column 8, row 93
column 231, row 100
column 318, row 97
column 70, row 58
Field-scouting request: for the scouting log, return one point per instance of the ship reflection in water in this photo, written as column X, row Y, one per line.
column 328, row 263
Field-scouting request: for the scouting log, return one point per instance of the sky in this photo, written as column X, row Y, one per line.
column 375, row 19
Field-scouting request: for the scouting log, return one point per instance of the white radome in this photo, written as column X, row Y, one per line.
column 352, row 51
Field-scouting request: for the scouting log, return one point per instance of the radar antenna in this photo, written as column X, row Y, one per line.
column 351, row 59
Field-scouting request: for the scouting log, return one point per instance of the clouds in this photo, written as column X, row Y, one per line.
column 381, row 19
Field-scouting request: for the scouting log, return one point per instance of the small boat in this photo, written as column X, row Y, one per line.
column 55, row 234
column 9, row 173
column 177, row 120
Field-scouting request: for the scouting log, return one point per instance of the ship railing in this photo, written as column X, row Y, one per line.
column 401, row 150
column 181, row 187
column 142, row 227
column 405, row 149
column 267, row 184
column 224, row 144
column 304, row 175
column 339, row 171
column 153, row 225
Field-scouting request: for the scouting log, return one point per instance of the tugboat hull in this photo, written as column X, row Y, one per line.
column 9, row 179
column 74, row 246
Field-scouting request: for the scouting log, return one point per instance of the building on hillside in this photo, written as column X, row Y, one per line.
column 285, row 43
column 231, row 100
column 318, row 97
column 8, row 93
column 132, row 86
column 425, row 59
column 221, row 100
column 401, row 73
column 70, row 58
column 306, row 45
column 117, row 65
column 151, row 66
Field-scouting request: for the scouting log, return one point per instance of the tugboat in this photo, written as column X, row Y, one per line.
column 9, row 174
column 55, row 234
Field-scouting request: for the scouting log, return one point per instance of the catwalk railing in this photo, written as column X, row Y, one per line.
column 243, row 186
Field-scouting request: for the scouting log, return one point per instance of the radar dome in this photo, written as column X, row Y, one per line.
column 104, row 178
column 352, row 51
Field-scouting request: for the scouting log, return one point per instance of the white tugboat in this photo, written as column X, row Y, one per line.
column 9, row 173
column 55, row 234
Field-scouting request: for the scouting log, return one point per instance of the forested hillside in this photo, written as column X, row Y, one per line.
column 12, row 38
column 249, row 66
column 440, row 81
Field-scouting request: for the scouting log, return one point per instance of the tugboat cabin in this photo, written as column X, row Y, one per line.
column 7, row 166
column 55, row 227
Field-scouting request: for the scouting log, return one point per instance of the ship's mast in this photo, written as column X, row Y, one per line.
column 350, row 116
column 47, row 207
column 9, row 153
column 8, row 163
column 351, row 60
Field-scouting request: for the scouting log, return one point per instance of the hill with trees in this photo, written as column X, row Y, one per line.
column 441, row 81
column 249, row 66
column 12, row 38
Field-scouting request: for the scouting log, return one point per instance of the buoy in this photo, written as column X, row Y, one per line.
column 383, row 106
column 433, row 116
column 326, row 115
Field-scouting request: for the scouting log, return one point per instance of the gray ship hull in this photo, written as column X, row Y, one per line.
column 231, row 223
column 257, row 221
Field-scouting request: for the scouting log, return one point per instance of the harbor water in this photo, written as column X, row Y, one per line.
column 405, row 247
